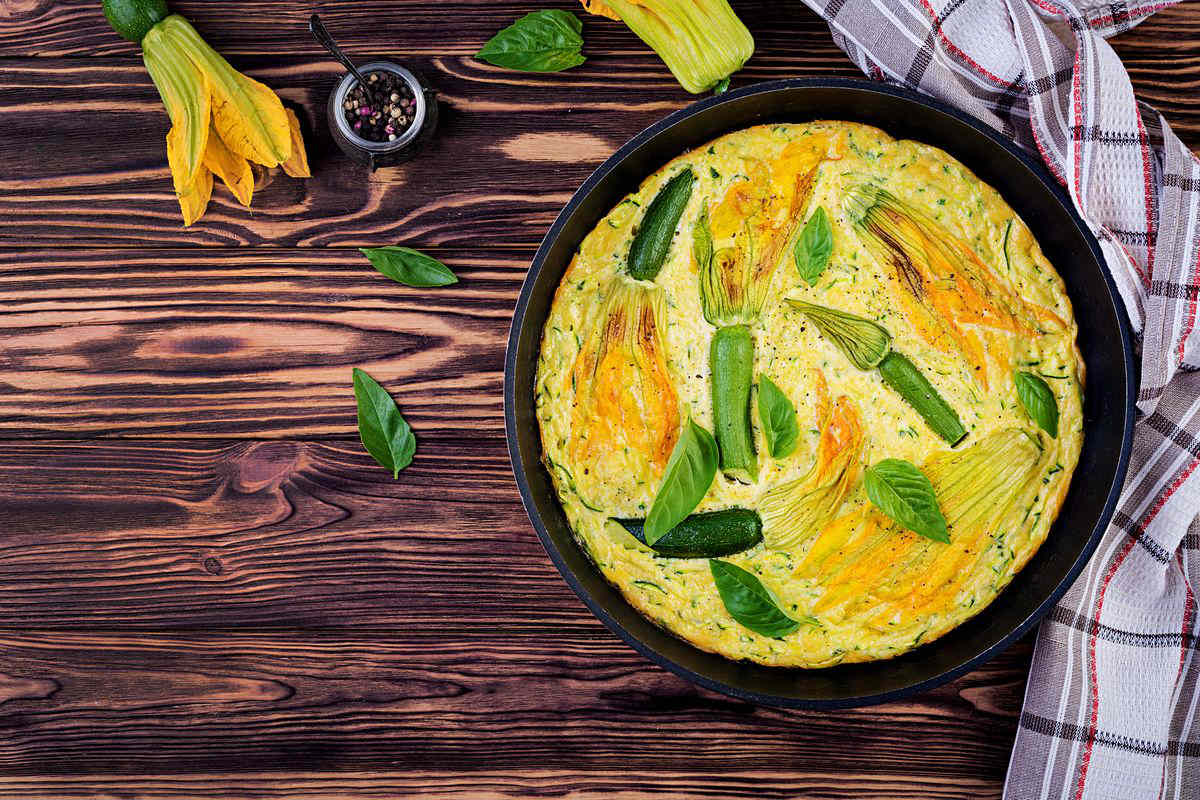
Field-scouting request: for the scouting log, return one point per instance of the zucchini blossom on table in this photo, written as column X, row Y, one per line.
column 221, row 120
column 702, row 42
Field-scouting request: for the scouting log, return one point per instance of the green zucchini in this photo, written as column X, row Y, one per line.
column 731, row 362
column 708, row 535
column 657, row 230
column 133, row 19
column 868, row 345
column 904, row 377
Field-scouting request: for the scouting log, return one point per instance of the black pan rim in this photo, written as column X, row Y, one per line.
column 923, row 102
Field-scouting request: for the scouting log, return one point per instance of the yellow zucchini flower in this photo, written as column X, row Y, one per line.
column 702, row 42
column 799, row 509
column 737, row 245
column 625, row 417
column 221, row 120
column 956, row 302
column 869, row 565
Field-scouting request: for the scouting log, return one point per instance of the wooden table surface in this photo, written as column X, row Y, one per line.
column 208, row 589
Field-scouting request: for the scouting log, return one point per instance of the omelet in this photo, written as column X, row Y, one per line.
column 920, row 247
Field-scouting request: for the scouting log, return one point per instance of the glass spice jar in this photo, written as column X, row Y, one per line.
column 380, row 139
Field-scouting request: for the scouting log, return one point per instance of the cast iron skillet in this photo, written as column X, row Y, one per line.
column 1103, row 338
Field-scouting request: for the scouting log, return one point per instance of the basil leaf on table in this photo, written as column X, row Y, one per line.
column 902, row 492
column 749, row 602
column 778, row 417
column 409, row 267
column 383, row 430
column 814, row 247
column 689, row 474
column 544, row 41
column 1038, row 399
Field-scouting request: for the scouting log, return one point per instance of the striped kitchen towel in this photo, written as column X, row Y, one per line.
column 1112, row 709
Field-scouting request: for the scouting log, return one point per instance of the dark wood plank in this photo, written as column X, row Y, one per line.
column 196, row 535
column 412, row 620
column 500, row 785
column 494, row 711
column 415, row 619
column 218, row 343
column 58, row 186
column 74, row 28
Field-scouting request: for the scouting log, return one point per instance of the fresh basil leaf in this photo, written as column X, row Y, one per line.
column 749, row 602
column 382, row 428
column 1038, row 399
column 778, row 417
column 722, row 86
column 544, row 41
column 901, row 491
column 689, row 474
column 814, row 247
column 409, row 267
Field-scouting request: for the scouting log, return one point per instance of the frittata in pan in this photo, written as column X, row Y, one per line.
column 810, row 395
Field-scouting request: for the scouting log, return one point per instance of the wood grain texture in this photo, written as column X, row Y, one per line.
column 503, row 785
column 343, row 205
column 280, row 534
column 202, row 604
column 208, row 589
column 60, row 187
column 219, row 342
column 399, row 700
column 76, row 28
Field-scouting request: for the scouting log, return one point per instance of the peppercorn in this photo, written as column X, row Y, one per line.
column 383, row 113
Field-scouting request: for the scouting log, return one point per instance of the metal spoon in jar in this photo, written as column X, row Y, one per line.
column 321, row 34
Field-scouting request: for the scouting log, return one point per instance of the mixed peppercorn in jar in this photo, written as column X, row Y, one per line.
column 383, row 110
